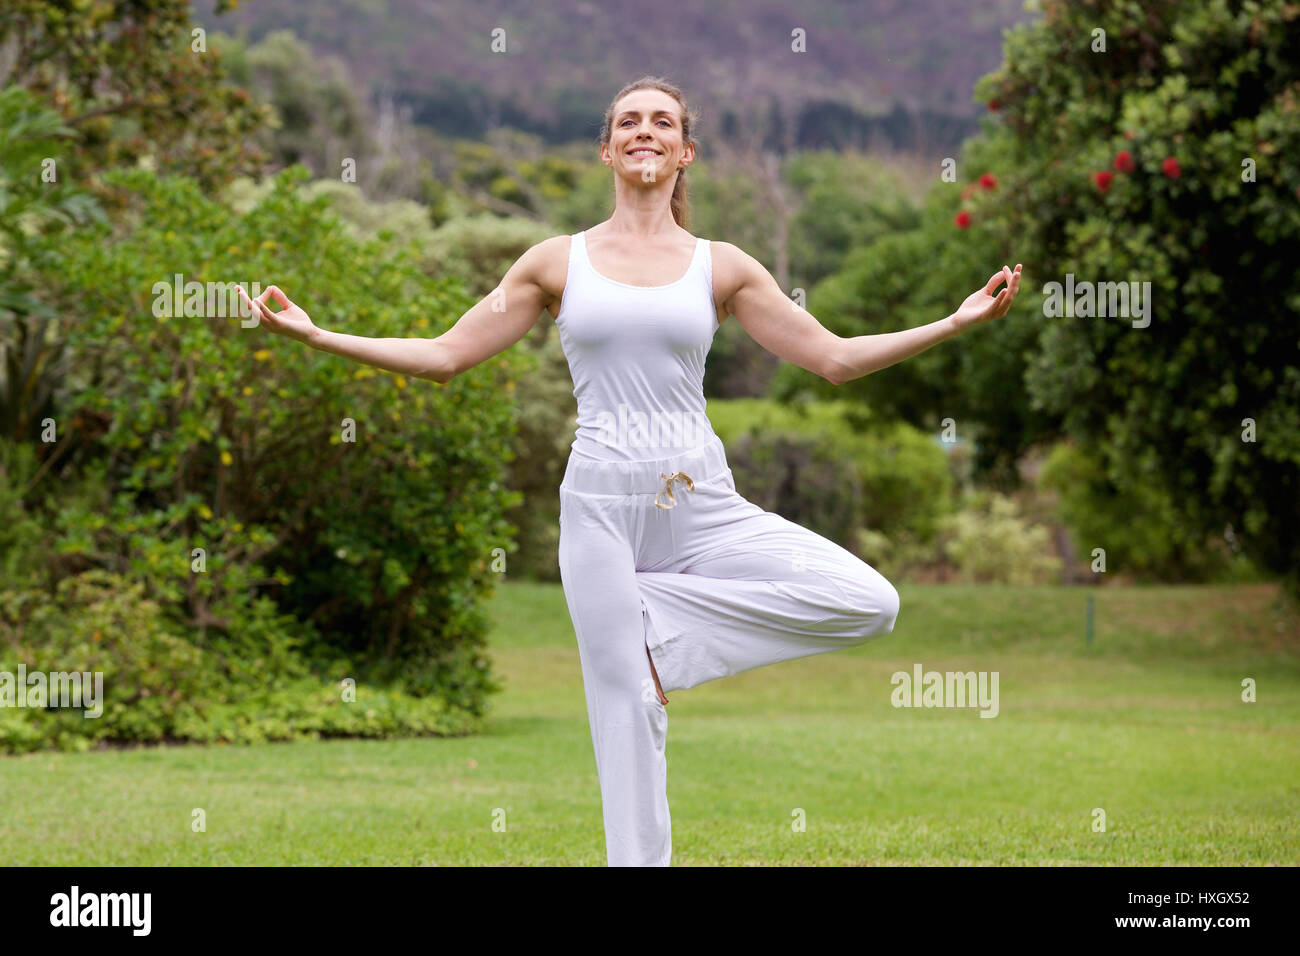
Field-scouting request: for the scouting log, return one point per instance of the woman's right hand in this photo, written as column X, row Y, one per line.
column 291, row 321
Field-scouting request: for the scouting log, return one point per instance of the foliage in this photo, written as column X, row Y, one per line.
column 1140, row 529
column 991, row 543
column 1185, row 98
column 74, row 596
column 379, row 538
column 36, row 205
column 913, row 278
column 821, row 464
column 134, row 81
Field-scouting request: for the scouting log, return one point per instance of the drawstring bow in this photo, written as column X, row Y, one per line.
column 667, row 489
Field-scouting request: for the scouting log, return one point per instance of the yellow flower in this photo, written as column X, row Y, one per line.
column 225, row 458
column 262, row 354
column 248, row 390
column 401, row 382
column 205, row 512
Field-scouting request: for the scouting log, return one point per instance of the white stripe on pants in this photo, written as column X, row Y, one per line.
column 713, row 587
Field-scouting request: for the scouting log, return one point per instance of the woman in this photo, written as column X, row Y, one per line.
column 671, row 577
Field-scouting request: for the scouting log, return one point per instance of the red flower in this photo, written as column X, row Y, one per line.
column 994, row 105
column 1103, row 179
column 1124, row 161
column 963, row 219
column 988, row 181
column 1171, row 168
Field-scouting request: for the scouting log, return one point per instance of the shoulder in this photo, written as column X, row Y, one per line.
column 733, row 269
column 546, row 263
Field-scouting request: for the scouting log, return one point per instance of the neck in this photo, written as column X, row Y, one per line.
column 644, row 210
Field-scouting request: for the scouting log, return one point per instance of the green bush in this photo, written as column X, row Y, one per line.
column 157, row 686
column 371, row 554
column 1139, row 527
column 887, row 476
column 989, row 541
column 240, row 674
column 1172, row 160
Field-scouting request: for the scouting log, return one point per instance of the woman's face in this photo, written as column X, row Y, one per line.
column 645, row 137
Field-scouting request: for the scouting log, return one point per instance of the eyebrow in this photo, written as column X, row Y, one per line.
column 634, row 113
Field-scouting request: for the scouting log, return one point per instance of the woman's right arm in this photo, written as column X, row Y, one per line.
column 495, row 323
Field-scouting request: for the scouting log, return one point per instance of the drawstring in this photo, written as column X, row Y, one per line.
column 668, row 487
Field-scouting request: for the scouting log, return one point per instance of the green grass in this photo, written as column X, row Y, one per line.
column 1147, row 724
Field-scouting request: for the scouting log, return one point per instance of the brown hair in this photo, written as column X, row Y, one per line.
column 680, row 201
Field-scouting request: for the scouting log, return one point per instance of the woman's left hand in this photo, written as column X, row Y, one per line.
column 982, row 305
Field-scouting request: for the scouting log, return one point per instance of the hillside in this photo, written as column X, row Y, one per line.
column 893, row 69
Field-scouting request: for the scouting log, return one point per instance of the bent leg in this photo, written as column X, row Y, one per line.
column 629, row 727
column 752, row 588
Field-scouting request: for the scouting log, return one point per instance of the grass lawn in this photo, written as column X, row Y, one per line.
column 1147, row 724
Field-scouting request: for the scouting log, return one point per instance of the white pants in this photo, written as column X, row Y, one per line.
column 712, row 587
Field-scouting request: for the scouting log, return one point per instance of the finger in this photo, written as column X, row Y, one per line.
column 249, row 304
column 999, row 304
column 275, row 293
column 994, row 281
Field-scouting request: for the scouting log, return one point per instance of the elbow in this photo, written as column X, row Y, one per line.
column 834, row 368
column 836, row 373
column 443, row 368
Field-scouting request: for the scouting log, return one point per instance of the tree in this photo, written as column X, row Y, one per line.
column 36, row 205
column 1160, row 144
column 134, row 80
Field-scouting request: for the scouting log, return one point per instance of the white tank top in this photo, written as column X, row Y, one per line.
column 636, row 355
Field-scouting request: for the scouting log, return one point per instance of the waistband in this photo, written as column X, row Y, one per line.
column 643, row 477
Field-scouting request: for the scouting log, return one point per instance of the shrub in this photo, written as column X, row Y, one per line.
column 990, row 542
column 1139, row 527
column 889, row 477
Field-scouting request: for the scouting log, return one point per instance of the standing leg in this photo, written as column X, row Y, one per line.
column 629, row 726
column 749, row 588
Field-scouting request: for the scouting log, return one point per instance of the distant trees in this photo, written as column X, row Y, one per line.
column 134, row 80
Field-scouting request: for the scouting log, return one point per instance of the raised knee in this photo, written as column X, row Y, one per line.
column 878, row 607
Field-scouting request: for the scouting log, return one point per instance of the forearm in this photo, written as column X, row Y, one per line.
column 863, row 354
column 419, row 358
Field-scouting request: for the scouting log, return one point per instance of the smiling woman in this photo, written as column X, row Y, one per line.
column 672, row 578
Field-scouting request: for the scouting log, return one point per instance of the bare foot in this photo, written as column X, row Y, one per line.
column 658, row 690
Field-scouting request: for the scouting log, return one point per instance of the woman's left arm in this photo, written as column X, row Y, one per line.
column 779, row 325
